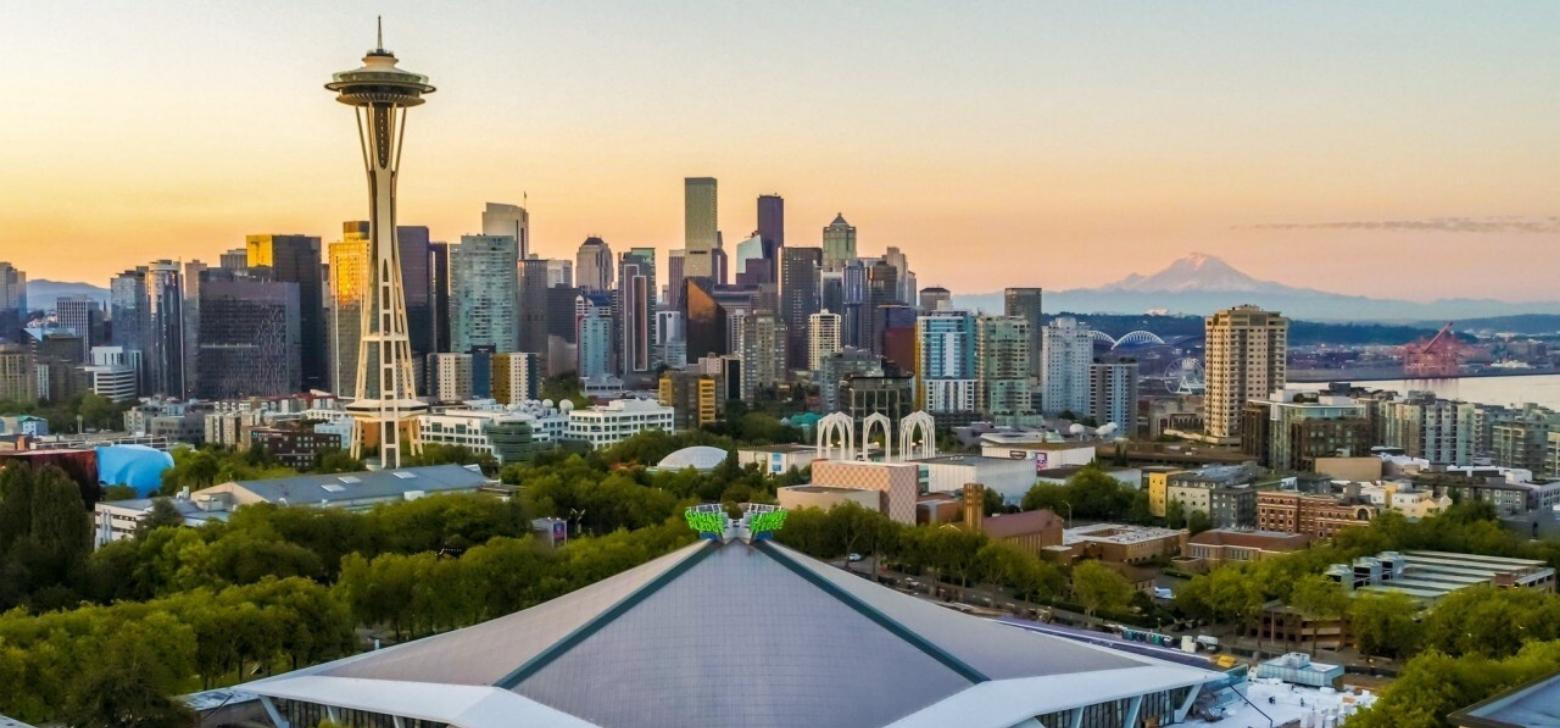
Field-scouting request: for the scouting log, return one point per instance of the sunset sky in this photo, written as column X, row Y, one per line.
column 1028, row 143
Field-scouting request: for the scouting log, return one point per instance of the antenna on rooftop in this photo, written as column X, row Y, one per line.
column 379, row 20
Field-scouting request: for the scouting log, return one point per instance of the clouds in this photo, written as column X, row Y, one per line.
column 1528, row 225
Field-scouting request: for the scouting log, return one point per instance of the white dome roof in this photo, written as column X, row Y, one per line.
column 698, row 457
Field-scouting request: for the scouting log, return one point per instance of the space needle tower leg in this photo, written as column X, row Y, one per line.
column 385, row 406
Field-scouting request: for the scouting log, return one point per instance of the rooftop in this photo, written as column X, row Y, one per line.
column 1022, row 523
column 12, row 723
column 1117, row 533
column 373, row 484
column 1534, row 704
column 732, row 634
column 1267, row 540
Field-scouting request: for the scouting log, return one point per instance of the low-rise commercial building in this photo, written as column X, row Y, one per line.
column 1430, row 575
column 1120, row 543
column 1009, row 478
column 778, row 459
column 1043, row 455
column 509, row 434
column 1226, row 493
column 899, row 482
column 1220, row 546
column 293, row 444
column 352, row 491
column 608, row 424
column 825, row 497
column 1316, row 515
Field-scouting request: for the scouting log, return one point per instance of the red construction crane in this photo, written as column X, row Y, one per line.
column 1439, row 357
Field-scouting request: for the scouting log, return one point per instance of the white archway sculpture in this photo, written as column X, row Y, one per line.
column 840, row 424
column 917, row 423
column 867, row 426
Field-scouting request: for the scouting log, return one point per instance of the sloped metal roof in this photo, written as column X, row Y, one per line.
column 729, row 634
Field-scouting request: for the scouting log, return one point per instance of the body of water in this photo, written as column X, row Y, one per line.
column 1541, row 389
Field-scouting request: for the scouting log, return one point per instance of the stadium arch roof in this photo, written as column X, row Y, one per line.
column 737, row 634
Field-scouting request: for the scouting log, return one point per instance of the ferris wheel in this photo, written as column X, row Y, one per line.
column 1188, row 375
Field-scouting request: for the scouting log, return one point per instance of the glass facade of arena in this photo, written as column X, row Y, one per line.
column 1158, row 709
column 306, row 715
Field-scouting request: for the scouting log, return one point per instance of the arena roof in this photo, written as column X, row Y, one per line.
column 732, row 634
column 698, row 457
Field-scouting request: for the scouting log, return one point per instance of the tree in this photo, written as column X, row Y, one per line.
column 1319, row 597
column 1099, row 588
column 163, row 514
column 126, row 684
column 992, row 502
column 1197, row 522
column 1383, row 624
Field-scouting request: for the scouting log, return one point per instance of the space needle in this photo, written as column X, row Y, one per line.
column 384, row 409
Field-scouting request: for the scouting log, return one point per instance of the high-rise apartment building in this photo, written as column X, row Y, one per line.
column 451, row 376
column 235, row 259
column 517, row 377
column 1002, row 366
column 1025, row 302
column 839, row 242
column 695, row 398
column 485, row 286
column 1289, row 430
column 1246, row 358
column 593, row 265
column 251, row 335
column 823, row 338
column 17, row 381
column 636, row 306
column 759, row 338
column 701, row 236
column 499, row 218
column 1066, row 350
column 798, row 299
column 895, row 327
column 1113, row 394
column 296, row 259
column 945, row 362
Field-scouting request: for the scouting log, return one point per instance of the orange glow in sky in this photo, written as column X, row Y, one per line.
column 996, row 144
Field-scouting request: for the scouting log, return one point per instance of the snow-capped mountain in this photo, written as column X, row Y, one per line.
column 1195, row 272
column 1200, row 284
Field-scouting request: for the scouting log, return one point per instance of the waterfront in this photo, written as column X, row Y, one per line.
column 1541, row 389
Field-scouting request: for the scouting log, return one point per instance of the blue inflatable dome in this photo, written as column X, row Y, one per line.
column 137, row 466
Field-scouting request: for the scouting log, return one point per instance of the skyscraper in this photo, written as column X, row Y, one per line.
column 439, row 294
column 84, row 317
column 701, row 235
column 485, row 286
column 676, row 264
column 417, row 287
column 636, row 306
column 798, row 299
column 593, row 265
column 839, row 242
column 517, row 377
column 349, row 282
column 1025, row 302
column 13, row 302
column 296, row 259
column 823, row 338
column 512, row 220
column 753, row 269
column 882, row 290
column 1067, row 349
column 1246, row 358
column 1002, row 366
column 533, row 314
column 771, row 229
column 161, row 328
column 937, row 298
column 560, row 272
column 235, row 259
column 596, row 355
column 380, row 94
column 904, row 291
column 895, row 327
column 250, row 339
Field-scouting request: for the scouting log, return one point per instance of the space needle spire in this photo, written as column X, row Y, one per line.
column 385, row 406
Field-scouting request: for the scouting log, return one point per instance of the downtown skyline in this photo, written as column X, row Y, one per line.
column 1277, row 150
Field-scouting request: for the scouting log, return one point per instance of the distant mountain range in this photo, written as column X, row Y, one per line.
column 42, row 292
column 1200, row 284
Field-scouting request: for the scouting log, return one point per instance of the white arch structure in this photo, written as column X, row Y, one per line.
column 874, row 421
column 840, row 424
column 921, row 423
